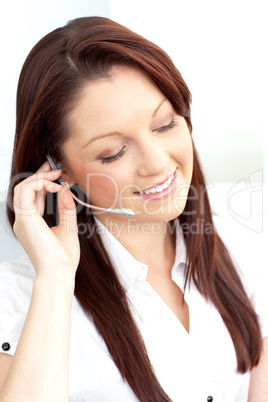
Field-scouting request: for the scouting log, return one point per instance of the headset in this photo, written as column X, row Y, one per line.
column 118, row 211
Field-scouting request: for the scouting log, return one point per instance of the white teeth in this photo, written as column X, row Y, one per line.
column 158, row 189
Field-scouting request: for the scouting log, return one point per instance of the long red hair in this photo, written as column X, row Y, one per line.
column 50, row 84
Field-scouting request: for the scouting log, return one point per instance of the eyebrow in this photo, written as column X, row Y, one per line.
column 98, row 137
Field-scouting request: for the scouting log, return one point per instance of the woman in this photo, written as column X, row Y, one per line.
column 160, row 312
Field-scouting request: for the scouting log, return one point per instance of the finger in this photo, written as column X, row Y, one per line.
column 67, row 210
column 41, row 195
column 67, row 231
column 39, row 175
column 25, row 195
column 45, row 167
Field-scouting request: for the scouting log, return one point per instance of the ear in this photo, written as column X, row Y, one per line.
column 66, row 176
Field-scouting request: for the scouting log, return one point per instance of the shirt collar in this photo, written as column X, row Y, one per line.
column 180, row 257
column 127, row 267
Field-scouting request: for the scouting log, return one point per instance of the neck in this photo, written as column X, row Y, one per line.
column 152, row 243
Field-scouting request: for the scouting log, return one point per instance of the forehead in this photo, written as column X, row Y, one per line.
column 124, row 93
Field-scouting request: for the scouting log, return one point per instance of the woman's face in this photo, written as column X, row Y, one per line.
column 128, row 148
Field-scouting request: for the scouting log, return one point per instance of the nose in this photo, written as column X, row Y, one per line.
column 153, row 157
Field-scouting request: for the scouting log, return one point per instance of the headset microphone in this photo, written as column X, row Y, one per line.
column 118, row 211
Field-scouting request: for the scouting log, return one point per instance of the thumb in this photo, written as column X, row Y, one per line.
column 67, row 210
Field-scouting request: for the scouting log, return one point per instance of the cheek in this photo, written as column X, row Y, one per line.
column 190, row 157
column 183, row 154
column 101, row 188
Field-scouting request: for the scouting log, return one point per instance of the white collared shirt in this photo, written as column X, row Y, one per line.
column 190, row 366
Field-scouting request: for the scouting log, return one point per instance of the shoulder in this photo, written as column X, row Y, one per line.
column 16, row 283
column 16, row 279
column 22, row 265
column 247, row 249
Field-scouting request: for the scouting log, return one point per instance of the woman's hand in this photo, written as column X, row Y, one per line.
column 54, row 253
column 54, row 249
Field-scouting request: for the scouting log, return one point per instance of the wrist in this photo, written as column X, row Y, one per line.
column 59, row 279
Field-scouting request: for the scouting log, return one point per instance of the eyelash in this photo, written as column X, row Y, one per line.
column 114, row 157
column 164, row 129
column 167, row 128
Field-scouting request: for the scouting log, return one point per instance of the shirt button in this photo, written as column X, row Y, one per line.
column 5, row 346
column 209, row 398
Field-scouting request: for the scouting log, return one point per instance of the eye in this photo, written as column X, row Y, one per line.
column 115, row 157
column 167, row 128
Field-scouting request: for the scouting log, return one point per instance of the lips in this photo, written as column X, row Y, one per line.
column 159, row 187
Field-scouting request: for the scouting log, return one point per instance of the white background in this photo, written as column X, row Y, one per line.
column 219, row 47
column 23, row 23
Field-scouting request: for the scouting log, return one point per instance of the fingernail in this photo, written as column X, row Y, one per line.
column 53, row 173
column 53, row 186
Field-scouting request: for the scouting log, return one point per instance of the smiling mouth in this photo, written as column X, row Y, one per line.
column 159, row 188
